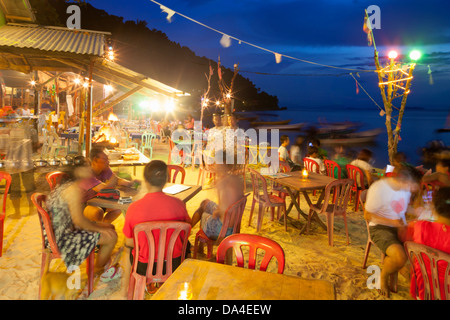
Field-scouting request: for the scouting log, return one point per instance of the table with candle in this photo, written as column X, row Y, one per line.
column 296, row 182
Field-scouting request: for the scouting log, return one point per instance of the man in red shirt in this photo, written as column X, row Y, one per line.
column 155, row 205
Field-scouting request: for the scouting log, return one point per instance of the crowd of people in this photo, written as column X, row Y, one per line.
column 393, row 205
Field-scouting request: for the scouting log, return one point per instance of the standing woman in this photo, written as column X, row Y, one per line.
column 76, row 236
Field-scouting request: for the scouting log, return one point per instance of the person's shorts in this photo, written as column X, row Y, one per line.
column 211, row 226
column 384, row 236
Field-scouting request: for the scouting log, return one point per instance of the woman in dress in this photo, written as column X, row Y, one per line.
column 76, row 236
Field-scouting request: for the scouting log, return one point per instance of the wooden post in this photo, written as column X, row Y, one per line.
column 89, row 111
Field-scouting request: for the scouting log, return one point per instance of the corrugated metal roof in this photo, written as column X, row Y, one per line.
column 53, row 39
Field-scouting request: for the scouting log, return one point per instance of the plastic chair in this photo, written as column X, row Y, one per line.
column 311, row 165
column 341, row 190
column 147, row 143
column 331, row 168
column 357, row 175
column 6, row 177
column 174, row 156
column 55, row 178
column 431, row 263
column 232, row 219
column 254, row 242
column 264, row 200
column 51, row 248
column 179, row 229
column 176, row 170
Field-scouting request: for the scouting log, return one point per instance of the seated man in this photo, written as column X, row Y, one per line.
column 283, row 153
column 153, row 206
column 103, row 178
column 230, row 188
column 386, row 205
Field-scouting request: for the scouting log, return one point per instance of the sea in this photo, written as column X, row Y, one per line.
column 419, row 128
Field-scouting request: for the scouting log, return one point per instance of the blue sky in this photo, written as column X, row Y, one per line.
column 323, row 31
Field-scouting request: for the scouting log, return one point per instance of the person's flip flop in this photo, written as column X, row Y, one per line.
column 111, row 273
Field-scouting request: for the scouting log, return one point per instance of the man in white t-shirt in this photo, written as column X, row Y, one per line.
column 387, row 202
column 283, row 153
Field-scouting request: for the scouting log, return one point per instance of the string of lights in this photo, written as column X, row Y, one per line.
column 226, row 39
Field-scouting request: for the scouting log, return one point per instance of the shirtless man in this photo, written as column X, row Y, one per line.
column 230, row 188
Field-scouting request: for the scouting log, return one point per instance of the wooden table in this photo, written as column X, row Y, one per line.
column 295, row 183
column 215, row 281
column 184, row 196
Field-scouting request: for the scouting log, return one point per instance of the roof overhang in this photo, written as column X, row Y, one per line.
column 17, row 10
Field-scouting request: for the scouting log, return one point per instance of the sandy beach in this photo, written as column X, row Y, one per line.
column 307, row 256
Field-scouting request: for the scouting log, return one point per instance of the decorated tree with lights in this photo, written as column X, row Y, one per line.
column 394, row 81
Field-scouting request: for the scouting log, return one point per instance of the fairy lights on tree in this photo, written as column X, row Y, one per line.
column 394, row 81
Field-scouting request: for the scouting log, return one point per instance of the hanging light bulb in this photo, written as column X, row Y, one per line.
column 392, row 54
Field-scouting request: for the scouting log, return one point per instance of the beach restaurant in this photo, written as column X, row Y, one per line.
column 284, row 235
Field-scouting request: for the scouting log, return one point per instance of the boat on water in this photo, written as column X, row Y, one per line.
column 282, row 127
column 270, row 123
column 352, row 138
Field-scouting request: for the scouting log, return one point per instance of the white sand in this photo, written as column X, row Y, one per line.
column 307, row 256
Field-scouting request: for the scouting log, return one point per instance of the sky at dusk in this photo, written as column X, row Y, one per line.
column 327, row 32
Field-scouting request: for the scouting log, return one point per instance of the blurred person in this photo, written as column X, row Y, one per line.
column 313, row 154
column 189, row 123
column 322, row 153
column 442, row 174
column 155, row 205
column 283, row 153
column 386, row 204
column 103, row 178
column 342, row 159
column 26, row 112
column 230, row 188
column 362, row 162
column 433, row 234
column 296, row 150
column 76, row 236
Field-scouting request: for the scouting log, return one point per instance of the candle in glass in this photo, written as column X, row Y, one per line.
column 305, row 174
column 184, row 291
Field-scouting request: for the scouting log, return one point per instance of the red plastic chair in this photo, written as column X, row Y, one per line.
column 232, row 214
column 341, row 190
column 311, row 165
column 47, row 228
column 357, row 175
column 331, row 166
column 179, row 229
column 55, row 178
column 173, row 171
column 264, row 200
column 4, row 176
column 254, row 242
column 431, row 262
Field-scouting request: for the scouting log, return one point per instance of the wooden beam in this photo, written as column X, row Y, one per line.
column 116, row 101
